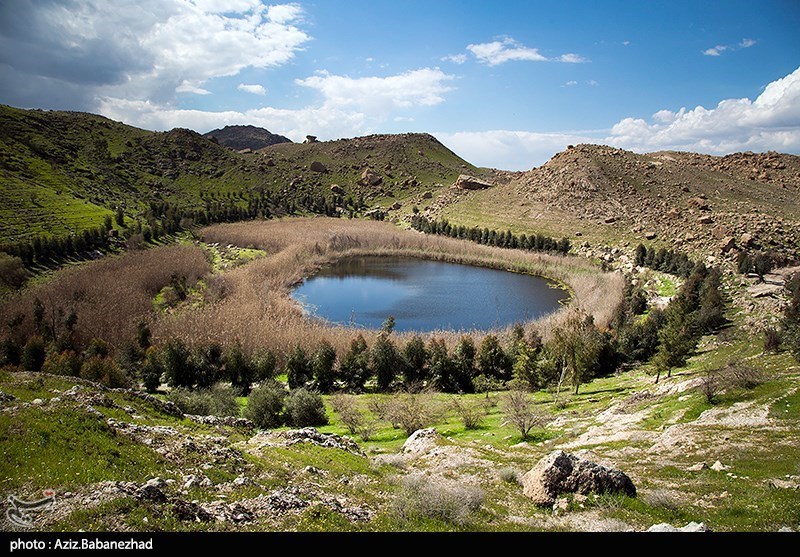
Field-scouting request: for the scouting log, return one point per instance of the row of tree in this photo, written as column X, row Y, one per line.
column 664, row 260
column 503, row 239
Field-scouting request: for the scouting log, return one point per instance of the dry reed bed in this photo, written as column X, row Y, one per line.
column 111, row 295
column 258, row 312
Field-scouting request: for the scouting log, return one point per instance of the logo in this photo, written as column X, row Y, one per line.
column 21, row 513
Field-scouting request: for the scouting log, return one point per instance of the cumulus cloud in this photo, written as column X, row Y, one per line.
column 507, row 50
column 571, row 58
column 715, row 50
column 455, row 58
column 747, row 43
column 138, row 49
column 252, row 89
column 770, row 122
column 380, row 95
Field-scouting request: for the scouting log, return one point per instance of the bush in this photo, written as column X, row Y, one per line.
column 305, row 408
column 509, row 475
column 322, row 364
column 265, row 405
column 412, row 411
column 12, row 271
column 105, row 371
column 519, row 411
column 151, row 370
column 298, row 368
column 10, row 352
column 742, row 376
column 471, row 412
column 33, row 354
column 711, row 385
column 65, row 363
column 351, row 416
column 772, row 339
column 219, row 400
column 424, row 497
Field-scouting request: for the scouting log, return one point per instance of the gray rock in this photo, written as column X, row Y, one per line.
column 561, row 472
column 317, row 166
column 421, row 441
column 466, row 182
column 691, row 527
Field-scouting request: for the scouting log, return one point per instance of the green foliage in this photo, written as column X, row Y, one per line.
column 64, row 363
column 10, row 352
column 305, row 408
column 322, row 364
column 464, row 365
column 440, row 365
column 577, row 346
column 265, row 405
column 239, row 370
column 354, row 367
column 388, row 325
column 790, row 323
column 414, row 359
column 385, row 361
column 177, row 367
column 425, row 498
column 526, row 368
column 12, row 271
column 33, row 354
column 264, row 363
column 151, row 370
column 219, row 400
column 298, row 368
column 105, row 371
column 143, row 335
column 492, row 359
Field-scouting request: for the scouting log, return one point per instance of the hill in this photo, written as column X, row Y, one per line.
column 239, row 138
column 63, row 172
column 703, row 204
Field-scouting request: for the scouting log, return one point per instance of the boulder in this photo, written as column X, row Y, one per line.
column 746, row 240
column 727, row 244
column 311, row 139
column 317, row 166
column 337, row 189
column 698, row 203
column 467, row 182
column 427, row 195
column 650, row 235
column 561, row 472
column 705, row 219
column 691, row 527
column 370, row 178
column 610, row 220
column 421, row 441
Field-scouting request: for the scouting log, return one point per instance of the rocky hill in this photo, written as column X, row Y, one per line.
column 240, row 138
column 62, row 172
column 704, row 204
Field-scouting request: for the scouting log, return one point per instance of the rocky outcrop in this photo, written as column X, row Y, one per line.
column 691, row 527
column 229, row 421
column 467, row 182
column 371, row 178
column 561, row 472
column 317, row 166
column 305, row 435
column 421, row 441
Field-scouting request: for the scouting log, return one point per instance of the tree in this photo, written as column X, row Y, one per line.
column 414, row 358
column 354, row 367
column 119, row 217
column 385, row 361
column 790, row 323
column 519, row 411
column 576, row 346
column 143, row 335
column 12, row 271
column 175, row 360
column 677, row 338
column 265, row 405
column 305, row 409
column 641, row 253
column 712, row 308
column 464, row 364
column 238, row 369
column 492, row 360
column 322, row 364
column 526, row 367
column 264, row 365
column 298, row 368
column 151, row 370
column 388, row 325
column 440, row 365
column 33, row 354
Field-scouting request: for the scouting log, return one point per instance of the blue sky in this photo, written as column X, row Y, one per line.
column 503, row 83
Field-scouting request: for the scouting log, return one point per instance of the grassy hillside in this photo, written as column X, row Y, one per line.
column 63, row 172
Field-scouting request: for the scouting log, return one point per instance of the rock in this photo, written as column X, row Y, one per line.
column 305, row 435
column 37, row 402
column 719, row 467
column 193, row 480
column 650, row 235
column 370, row 178
column 7, row 397
column 337, row 189
column 421, row 441
column 427, row 195
column 467, row 182
column 561, row 472
column 727, row 244
column 395, row 206
column 698, row 203
column 785, row 529
column 673, row 213
column 705, row 219
column 317, row 166
column 151, row 492
column 229, row 421
column 697, row 467
column 610, row 220
column 746, row 240
column 578, row 234
column 311, row 139
column 691, row 527
column 191, row 512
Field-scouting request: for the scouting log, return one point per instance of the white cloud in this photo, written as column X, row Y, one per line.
column 770, row 122
column 380, row 95
column 252, row 89
column 626, row 43
column 570, row 83
column 455, row 58
column 499, row 52
column 144, row 49
column 592, row 83
column 508, row 50
column 747, row 43
column 716, row 50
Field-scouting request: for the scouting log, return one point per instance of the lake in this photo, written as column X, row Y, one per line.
column 424, row 295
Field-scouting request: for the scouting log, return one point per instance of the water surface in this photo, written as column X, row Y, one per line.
column 424, row 295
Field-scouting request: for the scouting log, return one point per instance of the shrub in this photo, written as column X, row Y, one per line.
column 65, row 363
column 509, row 475
column 351, row 416
column 12, row 271
column 354, row 367
column 264, row 365
column 414, row 358
column 471, row 412
column 105, row 371
column 772, row 339
column 711, row 385
column 177, row 368
column 151, row 370
column 238, row 368
column 412, row 411
column 219, row 400
column 742, row 376
column 98, row 348
column 425, row 497
column 10, row 352
column 33, row 354
column 492, row 360
column 265, row 405
column 519, row 411
column 305, row 408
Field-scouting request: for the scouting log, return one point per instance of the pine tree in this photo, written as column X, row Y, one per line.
column 464, row 364
column 322, row 365
column 492, row 360
column 385, row 362
column 414, row 358
column 298, row 368
column 354, row 367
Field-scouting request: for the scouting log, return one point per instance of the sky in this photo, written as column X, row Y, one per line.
column 503, row 83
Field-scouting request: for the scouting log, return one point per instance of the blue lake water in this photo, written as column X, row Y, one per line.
column 424, row 295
